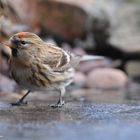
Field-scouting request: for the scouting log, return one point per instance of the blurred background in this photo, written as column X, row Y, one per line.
column 104, row 101
column 109, row 28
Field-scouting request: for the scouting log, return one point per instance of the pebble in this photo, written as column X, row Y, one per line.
column 106, row 78
column 80, row 79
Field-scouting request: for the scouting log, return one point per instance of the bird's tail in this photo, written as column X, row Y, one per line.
column 91, row 57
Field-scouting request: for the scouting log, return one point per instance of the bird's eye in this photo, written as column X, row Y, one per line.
column 23, row 42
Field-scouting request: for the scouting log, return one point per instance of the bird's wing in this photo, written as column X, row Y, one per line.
column 60, row 60
column 51, row 76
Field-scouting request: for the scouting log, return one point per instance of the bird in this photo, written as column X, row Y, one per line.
column 38, row 66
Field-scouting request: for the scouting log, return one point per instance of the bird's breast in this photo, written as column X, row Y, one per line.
column 35, row 78
column 20, row 74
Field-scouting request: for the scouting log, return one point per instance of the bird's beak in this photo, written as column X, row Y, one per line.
column 7, row 44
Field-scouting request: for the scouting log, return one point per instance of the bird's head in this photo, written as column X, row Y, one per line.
column 23, row 41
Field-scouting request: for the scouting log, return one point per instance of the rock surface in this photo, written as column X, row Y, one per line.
column 77, row 120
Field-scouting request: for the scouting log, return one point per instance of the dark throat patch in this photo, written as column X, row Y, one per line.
column 14, row 52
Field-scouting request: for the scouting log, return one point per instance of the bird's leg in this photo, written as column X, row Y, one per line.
column 60, row 102
column 21, row 102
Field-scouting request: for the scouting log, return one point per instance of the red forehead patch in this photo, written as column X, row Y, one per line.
column 22, row 34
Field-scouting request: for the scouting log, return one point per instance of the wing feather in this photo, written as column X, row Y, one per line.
column 58, row 59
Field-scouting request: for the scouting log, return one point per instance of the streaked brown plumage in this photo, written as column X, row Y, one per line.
column 37, row 65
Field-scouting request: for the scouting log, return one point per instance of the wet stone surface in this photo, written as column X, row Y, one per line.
column 77, row 120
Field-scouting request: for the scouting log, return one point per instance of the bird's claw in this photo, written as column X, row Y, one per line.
column 19, row 103
column 58, row 105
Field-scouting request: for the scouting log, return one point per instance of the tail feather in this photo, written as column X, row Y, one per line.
column 91, row 57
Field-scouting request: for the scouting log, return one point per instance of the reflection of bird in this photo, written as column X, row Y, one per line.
column 37, row 65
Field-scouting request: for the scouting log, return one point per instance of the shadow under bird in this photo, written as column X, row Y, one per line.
column 37, row 65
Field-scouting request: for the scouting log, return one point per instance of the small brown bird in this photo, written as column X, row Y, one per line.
column 37, row 65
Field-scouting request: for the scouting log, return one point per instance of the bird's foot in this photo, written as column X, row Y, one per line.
column 58, row 105
column 19, row 103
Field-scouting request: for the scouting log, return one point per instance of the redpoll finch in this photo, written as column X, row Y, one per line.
column 37, row 65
